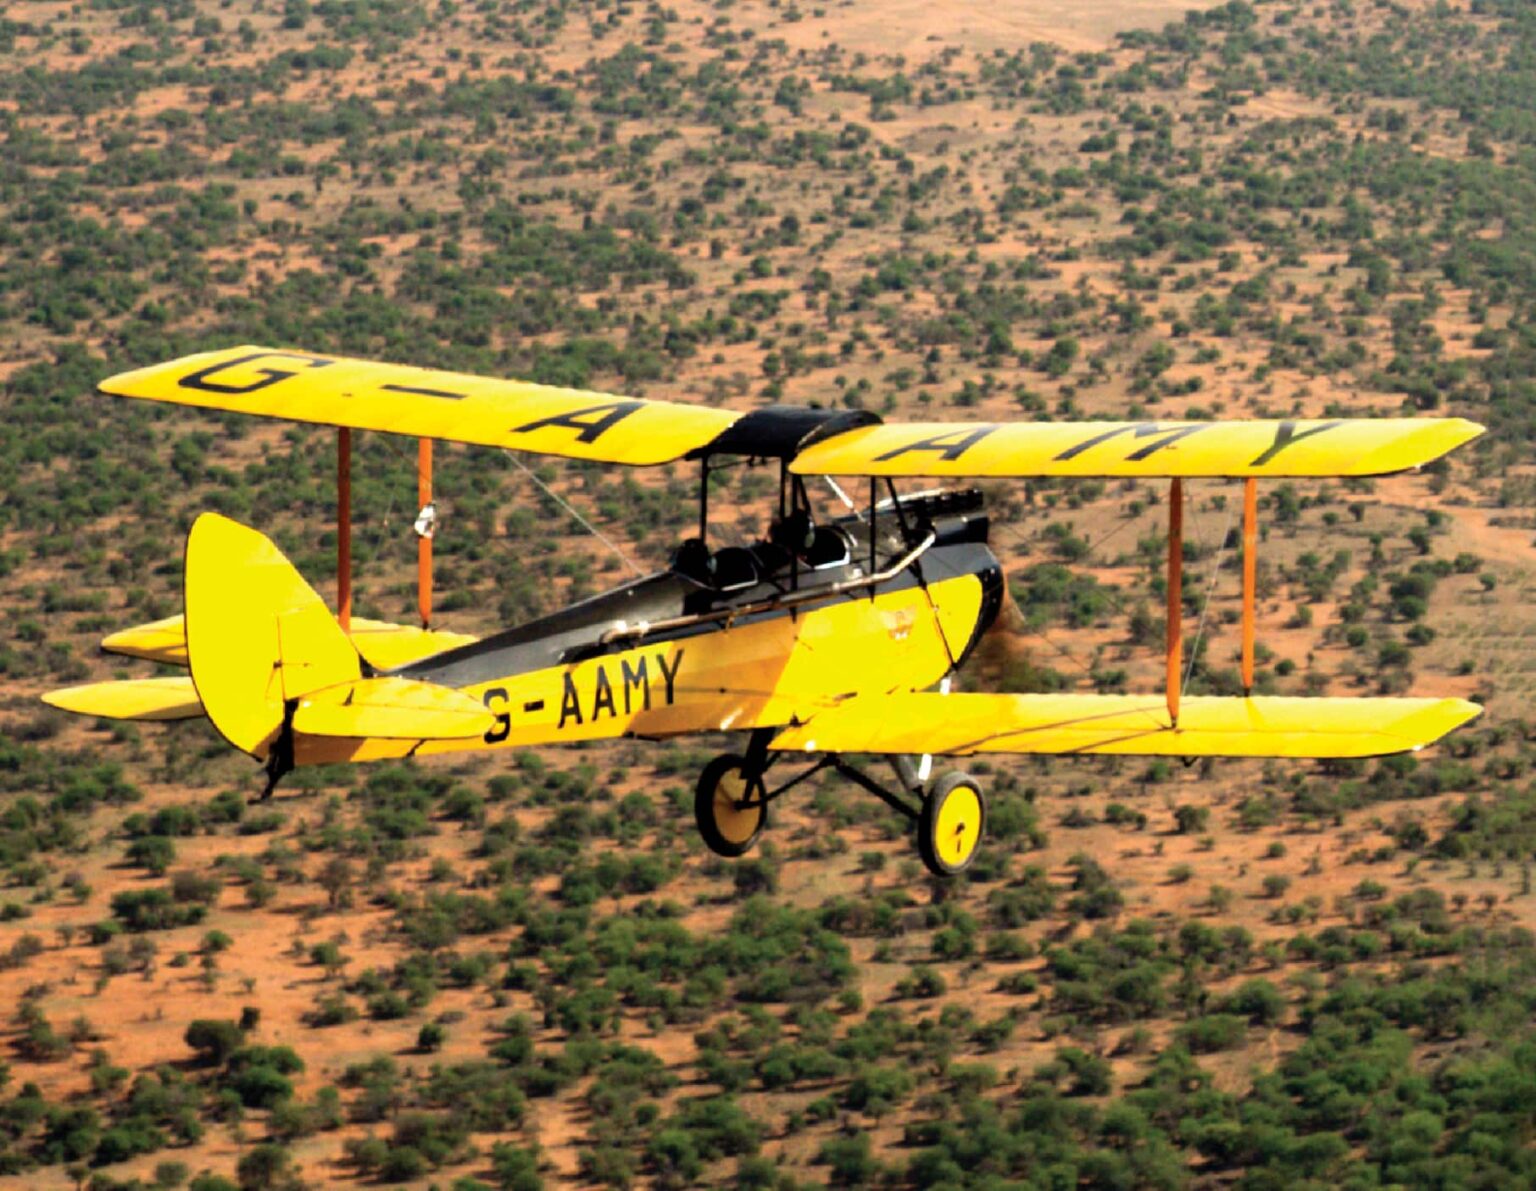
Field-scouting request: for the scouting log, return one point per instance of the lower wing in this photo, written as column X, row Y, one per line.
column 388, row 708
column 384, row 646
column 1128, row 725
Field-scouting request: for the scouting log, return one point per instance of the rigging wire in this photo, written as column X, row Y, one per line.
column 1047, row 639
column 1126, row 519
column 837, row 490
column 376, row 538
column 1210, row 588
column 388, row 441
column 1111, row 593
column 566, row 505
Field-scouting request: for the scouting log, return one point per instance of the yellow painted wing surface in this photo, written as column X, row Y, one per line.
column 159, row 641
column 383, row 645
column 1340, row 447
column 1129, row 725
column 366, row 395
column 394, row 709
column 386, row 646
column 172, row 698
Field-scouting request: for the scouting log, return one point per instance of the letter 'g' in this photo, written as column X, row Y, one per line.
column 269, row 376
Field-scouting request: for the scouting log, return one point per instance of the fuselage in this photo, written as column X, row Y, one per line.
column 723, row 656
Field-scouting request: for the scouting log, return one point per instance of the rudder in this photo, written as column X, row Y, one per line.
column 258, row 636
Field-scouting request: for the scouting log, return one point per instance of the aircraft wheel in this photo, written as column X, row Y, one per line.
column 950, row 828
column 728, row 827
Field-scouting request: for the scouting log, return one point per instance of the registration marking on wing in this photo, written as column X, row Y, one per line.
column 1278, row 448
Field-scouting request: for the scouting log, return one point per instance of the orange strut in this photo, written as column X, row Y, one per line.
column 424, row 543
column 344, row 526
column 1250, row 574
column 1175, row 595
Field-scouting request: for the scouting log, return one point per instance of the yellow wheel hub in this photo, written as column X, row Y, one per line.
column 957, row 826
column 736, row 823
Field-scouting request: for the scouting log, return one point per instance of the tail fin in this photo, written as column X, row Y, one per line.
column 258, row 636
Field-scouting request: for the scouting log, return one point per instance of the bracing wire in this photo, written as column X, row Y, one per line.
column 389, row 509
column 1047, row 639
column 580, row 520
column 837, row 490
column 1128, row 519
column 1119, row 605
column 388, row 441
column 1210, row 588
column 1112, row 592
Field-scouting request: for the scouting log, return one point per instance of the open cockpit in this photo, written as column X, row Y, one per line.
column 798, row 562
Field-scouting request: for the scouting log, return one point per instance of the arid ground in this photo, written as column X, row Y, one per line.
column 530, row 971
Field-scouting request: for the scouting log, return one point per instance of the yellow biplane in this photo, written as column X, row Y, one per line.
column 827, row 638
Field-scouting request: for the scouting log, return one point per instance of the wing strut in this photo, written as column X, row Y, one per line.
column 344, row 527
column 1250, row 574
column 425, row 525
column 1175, row 595
column 426, row 522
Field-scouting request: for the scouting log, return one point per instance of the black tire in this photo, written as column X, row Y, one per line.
column 950, row 829
column 727, row 827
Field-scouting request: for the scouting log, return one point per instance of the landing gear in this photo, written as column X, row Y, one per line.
column 950, row 827
column 730, row 805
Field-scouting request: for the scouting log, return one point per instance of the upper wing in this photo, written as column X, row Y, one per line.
column 602, row 427
column 365, row 395
column 1339, row 447
column 1128, row 725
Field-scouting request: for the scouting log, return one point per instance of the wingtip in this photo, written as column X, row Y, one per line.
column 57, row 698
column 126, row 384
column 1466, row 709
column 1445, row 435
column 1434, row 722
column 172, row 698
column 77, row 700
column 131, row 640
column 1421, row 441
column 1468, row 430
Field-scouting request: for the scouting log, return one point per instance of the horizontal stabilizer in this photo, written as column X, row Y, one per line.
column 384, row 646
column 392, row 708
column 1129, row 725
column 172, row 698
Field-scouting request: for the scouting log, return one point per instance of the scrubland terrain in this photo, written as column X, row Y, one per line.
column 530, row 972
